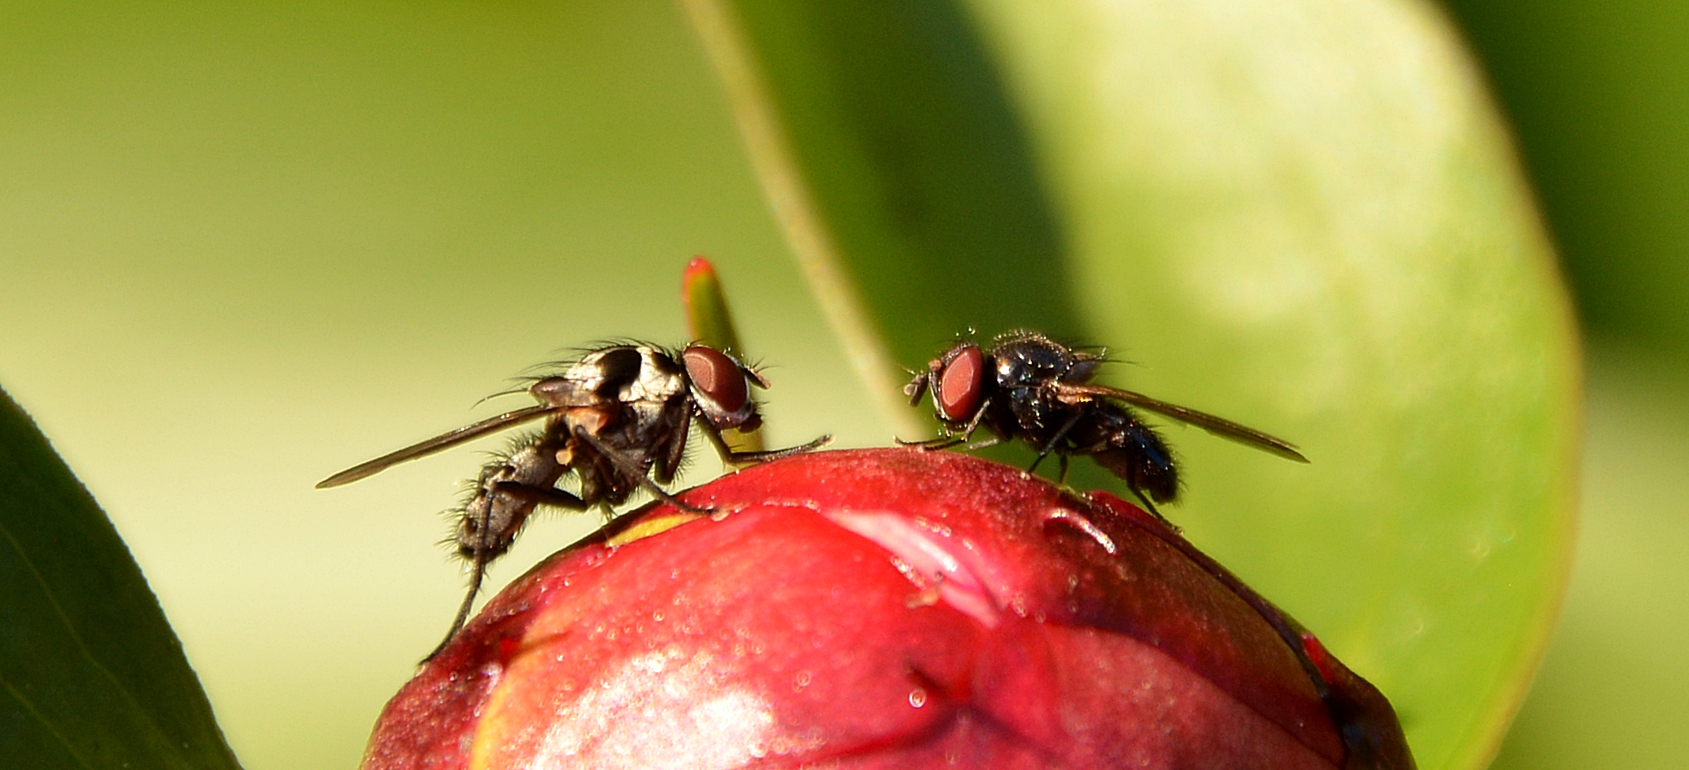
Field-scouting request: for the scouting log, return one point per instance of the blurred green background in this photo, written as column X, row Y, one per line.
column 1597, row 94
column 242, row 248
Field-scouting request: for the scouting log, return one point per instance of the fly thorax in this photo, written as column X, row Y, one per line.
column 659, row 379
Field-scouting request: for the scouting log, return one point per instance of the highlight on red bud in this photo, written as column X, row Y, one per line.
column 885, row 608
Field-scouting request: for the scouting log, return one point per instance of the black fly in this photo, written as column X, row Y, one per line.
column 1032, row 388
column 616, row 418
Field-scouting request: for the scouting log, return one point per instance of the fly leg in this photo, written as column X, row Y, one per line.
column 507, row 492
column 950, row 439
column 742, row 458
column 1149, row 506
column 942, row 442
column 483, row 553
column 634, row 470
column 1055, row 441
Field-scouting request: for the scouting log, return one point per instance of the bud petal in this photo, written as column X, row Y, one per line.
column 885, row 608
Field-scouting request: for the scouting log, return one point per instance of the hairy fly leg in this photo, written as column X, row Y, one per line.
column 508, row 490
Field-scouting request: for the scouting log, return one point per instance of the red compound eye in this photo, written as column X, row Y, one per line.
column 961, row 384
column 716, row 376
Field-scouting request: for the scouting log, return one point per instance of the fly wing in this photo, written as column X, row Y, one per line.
column 1219, row 426
column 442, row 441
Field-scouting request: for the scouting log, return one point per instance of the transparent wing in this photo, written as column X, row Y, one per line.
column 442, row 441
column 1218, row 426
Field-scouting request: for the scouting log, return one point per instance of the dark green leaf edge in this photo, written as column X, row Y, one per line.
column 93, row 675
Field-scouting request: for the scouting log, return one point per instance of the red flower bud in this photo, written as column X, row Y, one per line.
column 885, row 608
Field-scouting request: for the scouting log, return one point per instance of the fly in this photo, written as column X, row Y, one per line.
column 1030, row 388
column 618, row 419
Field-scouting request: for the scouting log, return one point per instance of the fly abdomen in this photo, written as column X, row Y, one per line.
column 505, row 494
column 1131, row 450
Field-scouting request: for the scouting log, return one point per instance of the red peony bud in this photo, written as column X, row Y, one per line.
column 885, row 608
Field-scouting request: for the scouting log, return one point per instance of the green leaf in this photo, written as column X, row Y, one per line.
column 898, row 170
column 91, row 675
column 1302, row 216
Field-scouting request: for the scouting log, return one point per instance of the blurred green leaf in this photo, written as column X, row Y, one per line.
column 1594, row 91
column 93, row 677
column 1306, row 217
column 897, row 158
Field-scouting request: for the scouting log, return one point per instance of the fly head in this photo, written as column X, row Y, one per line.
column 721, row 388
